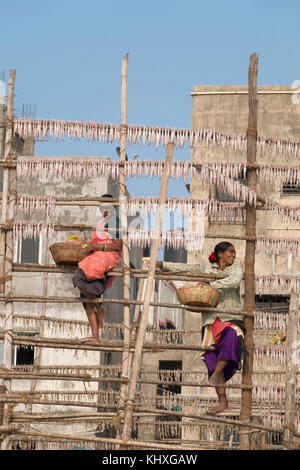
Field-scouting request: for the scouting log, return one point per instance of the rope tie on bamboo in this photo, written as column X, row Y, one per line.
column 9, row 123
column 8, row 225
column 251, row 132
column 290, row 427
column 8, row 297
column 135, row 325
column 8, row 333
column 3, row 279
column 129, row 404
column 117, row 419
column 155, row 347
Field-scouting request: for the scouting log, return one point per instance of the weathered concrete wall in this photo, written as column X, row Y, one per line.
column 225, row 109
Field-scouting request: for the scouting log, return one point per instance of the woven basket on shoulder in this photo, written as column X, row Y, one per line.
column 66, row 253
column 201, row 295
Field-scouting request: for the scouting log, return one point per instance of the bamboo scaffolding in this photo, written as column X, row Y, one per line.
column 6, row 244
column 129, row 405
column 7, row 174
column 249, row 302
column 133, row 345
column 202, row 417
column 291, row 377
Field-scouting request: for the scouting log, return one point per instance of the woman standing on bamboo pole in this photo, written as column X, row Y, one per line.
column 98, row 256
column 224, row 331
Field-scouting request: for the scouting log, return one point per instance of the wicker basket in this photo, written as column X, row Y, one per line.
column 201, row 295
column 66, row 253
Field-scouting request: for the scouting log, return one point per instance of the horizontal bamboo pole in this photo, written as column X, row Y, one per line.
column 57, row 343
column 38, row 299
column 222, row 420
column 20, row 417
column 129, row 443
column 89, row 378
column 118, row 272
column 141, row 409
column 9, row 428
column 251, row 166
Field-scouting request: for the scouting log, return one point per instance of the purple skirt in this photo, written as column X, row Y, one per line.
column 226, row 349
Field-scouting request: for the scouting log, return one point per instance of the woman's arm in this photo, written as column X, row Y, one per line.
column 180, row 267
column 116, row 245
column 232, row 281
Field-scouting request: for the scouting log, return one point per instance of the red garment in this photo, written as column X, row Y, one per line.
column 98, row 263
column 217, row 328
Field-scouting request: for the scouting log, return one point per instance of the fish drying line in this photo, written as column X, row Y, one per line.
column 137, row 134
column 223, row 175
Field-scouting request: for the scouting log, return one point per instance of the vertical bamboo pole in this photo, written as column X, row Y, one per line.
column 7, row 171
column 246, row 404
column 123, row 220
column 291, row 373
column 38, row 351
column 137, row 312
column 149, row 287
column 8, row 209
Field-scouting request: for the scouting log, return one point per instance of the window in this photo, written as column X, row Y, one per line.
column 21, row 355
column 291, row 188
column 282, row 265
column 169, row 365
column 280, row 302
column 29, row 250
column 164, row 391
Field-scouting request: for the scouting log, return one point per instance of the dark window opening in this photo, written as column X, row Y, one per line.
column 280, row 303
column 164, row 390
column 291, row 188
column 24, row 355
column 30, row 250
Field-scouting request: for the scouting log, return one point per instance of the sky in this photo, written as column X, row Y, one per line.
column 68, row 56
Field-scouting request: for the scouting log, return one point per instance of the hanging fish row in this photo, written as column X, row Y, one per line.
column 278, row 246
column 270, row 355
column 40, row 204
column 176, row 239
column 24, row 230
column 83, row 168
column 279, row 283
column 230, row 211
column 106, row 132
column 271, row 321
column 277, row 421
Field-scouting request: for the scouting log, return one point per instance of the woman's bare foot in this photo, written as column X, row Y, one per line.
column 100, row 313
column 213, row 380
column 218, row 409
column 90, row 339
